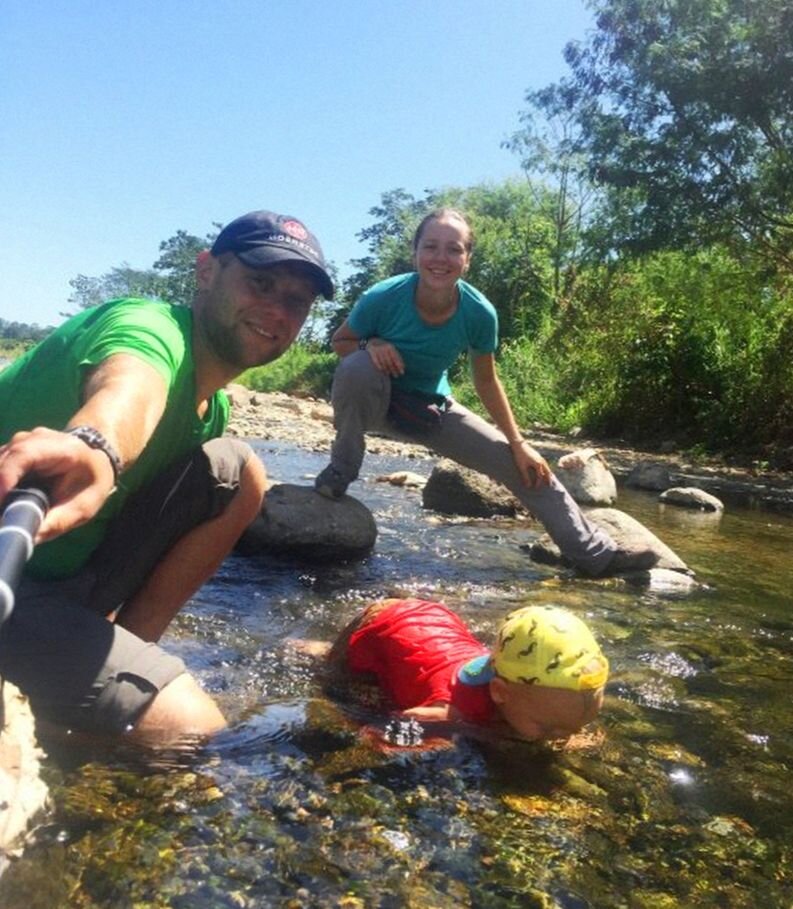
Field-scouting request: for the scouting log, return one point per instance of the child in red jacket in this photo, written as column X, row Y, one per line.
column 543, row 678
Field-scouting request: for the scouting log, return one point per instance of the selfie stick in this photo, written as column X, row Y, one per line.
column 23, row 512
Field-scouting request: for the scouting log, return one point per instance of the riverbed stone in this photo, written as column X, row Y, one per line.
column 649, row 475
column 691, row 497
column 23, row 794
column 664, row 581
column 627, row 533
column 586, row 476
column 298, row 520
column 406, row 478
column 453, row 489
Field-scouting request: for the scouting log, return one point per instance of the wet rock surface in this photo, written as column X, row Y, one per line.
column 452, row 489
column 628, row 533
column 298, row 520
column 22, row 791
column 691, row 497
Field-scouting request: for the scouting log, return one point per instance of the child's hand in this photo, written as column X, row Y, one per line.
column 402, row 734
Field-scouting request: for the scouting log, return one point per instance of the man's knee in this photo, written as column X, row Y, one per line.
column 182, row 709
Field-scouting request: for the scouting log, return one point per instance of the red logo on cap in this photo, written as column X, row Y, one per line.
column 295, row 229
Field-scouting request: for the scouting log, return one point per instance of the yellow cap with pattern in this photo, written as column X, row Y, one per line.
column 549, row 646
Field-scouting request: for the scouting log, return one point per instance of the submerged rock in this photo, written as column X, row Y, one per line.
column 453, row 489
column 297, row 520
column 691, row 497
column 404, row 478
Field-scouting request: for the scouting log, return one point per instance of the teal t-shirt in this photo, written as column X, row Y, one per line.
column 388, row 310
column 43, row 388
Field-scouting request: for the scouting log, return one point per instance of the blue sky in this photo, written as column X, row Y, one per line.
column 122, row 122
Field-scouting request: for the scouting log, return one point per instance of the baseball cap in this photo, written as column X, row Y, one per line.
column 550, row 647
column 263, row 238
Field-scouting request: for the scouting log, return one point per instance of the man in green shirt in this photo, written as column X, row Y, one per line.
column 119, row 413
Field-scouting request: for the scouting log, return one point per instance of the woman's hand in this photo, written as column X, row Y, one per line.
column 385, row 357
column 531, row 465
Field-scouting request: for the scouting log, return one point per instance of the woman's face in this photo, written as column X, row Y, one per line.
column 441, row 255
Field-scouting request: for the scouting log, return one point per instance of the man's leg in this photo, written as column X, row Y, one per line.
column 173, row 534
column 82, row 671
column 194, row 559
column 360, row 398
column 84, row 674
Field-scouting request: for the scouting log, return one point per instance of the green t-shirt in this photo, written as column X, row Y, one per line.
column 43, row 388
column 388, row 310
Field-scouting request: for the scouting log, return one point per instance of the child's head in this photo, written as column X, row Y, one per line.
column 549, row 673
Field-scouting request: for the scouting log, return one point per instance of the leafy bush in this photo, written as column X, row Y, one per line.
column 302, row 370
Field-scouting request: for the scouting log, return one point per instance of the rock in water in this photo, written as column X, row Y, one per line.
column 627, row 533
column 298, row 520
column 586, row 476
column 452, row 489
column 691, row 497
column 22, row 791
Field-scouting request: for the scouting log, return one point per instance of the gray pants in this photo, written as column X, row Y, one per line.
column 361, row 395
column 79, row 669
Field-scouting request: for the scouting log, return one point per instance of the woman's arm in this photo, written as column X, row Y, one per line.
column 532, row 465
column 383, row 353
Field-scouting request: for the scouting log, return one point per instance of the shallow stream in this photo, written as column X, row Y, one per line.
column 683, row 798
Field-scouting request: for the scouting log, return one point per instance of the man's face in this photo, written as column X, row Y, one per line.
column 250, row 316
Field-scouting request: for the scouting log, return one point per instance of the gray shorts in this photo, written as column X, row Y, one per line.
column 80, row 670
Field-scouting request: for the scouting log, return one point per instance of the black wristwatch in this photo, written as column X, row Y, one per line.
column 362, row 344
column 94, row 439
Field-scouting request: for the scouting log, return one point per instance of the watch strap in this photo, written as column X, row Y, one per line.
column 94, row 439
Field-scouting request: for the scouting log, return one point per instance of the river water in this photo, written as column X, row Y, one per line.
column 682, row 797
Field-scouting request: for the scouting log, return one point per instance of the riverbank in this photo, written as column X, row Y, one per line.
column 308, row 422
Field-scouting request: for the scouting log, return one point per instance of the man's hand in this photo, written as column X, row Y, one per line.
column 78, row 479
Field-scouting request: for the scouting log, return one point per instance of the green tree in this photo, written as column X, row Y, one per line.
column 686, row 114
column 171, row 278
column 548, row 146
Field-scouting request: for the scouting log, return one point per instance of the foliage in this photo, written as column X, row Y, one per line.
column 527, row 369
column 548, row 146
column 16, row 332
column 694, row 345
column 302, row 370
column 171, row 278
column 685, row 111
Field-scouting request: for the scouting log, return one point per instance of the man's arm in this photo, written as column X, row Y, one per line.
column 123, row 398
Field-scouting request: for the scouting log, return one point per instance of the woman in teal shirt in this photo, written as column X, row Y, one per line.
column 397, row 345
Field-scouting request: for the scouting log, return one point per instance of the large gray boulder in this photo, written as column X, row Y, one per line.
column 627, row 533
column 23, row 793
column 298, row 520
column 453, row 489
column 586, row 476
